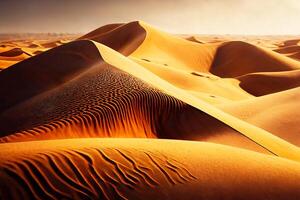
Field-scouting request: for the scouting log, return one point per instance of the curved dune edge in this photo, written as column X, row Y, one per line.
column 274, row 144
column 42, row 72
column 124, row 38
column 100, row 31
column 236, row 58
column 264, row 83
column 160, row 46
column 142, row 168
column 274, row 113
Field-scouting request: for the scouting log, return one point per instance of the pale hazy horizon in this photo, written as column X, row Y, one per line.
column 234, row 17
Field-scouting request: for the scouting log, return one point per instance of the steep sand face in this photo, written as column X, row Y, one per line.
column 135, row 81
column 290, row 48
column 100, row 31
column 263, row 83
column 238, row 58
column 45, row 71
column 136, row 168
column 124, row 38
column 290, row 42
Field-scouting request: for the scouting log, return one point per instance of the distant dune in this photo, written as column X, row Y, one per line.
column 217, row 116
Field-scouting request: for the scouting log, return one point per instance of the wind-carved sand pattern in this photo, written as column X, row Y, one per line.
column 92, row 173
column 103, row 101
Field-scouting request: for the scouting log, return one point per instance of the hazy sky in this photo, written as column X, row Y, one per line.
column 178, row 16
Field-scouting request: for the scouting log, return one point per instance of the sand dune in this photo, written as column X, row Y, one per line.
column 290, row 42
column 263, row 83
column 238, row 58
column 122, row 38
column 295, row 56
column 23, row 77
column 288, row 49
column 194, row 39
column 100, row 31
column 239, row 98
column 13, row 53
column 292, row 51
column 274, row 112
column 135, row 169
column 14, row 50
column 121, row 107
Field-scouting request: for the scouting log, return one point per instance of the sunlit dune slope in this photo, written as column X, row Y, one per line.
column 276, row 113
column 164, row 48
column 142, row 169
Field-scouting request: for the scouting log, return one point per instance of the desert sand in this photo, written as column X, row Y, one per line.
column 128, row 111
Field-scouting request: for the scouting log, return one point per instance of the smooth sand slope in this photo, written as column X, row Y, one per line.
column 135, row 81
column 275, row 113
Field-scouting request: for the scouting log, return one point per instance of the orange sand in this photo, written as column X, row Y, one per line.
column 234, row 99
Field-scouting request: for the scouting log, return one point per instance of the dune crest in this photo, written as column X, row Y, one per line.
column 124, row 38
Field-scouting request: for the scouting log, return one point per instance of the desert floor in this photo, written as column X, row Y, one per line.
column 128, row 111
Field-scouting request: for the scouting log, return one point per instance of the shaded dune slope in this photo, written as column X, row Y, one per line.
column 124, row 38
column 194, row 39
column 288, row 49
column 237, row 58
column 295, row 56
column 292, row 51
column 15, row 52
column 139, row 169
column 290, row 42
column 263, row 83
column 39, row 73
column 100, row 31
